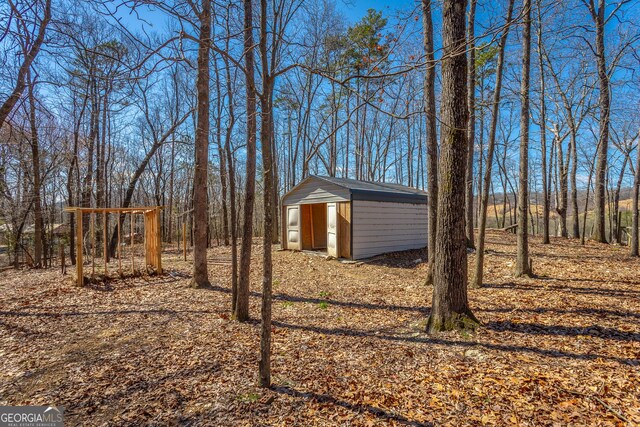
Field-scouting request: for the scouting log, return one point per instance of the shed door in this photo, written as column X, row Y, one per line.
column 293, row 227
column 332, row 229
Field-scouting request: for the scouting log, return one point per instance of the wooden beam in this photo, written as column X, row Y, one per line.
column 133, row 261
column 144, row 241
column 119, row 245
column 158, row 243
column 93, row 246
column 104, row 242
column 79, row 251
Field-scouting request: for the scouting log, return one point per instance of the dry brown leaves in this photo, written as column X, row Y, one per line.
column 560, row 349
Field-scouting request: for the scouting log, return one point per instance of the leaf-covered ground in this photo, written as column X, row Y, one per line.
column 560, row 349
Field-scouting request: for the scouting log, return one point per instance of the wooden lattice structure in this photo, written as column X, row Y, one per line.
column 152, row 236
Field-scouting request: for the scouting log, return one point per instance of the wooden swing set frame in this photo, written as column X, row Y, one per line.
column 152, row 237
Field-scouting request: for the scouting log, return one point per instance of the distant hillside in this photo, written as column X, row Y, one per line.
column 536, row 201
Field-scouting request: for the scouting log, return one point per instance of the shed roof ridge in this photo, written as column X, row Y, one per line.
column 382, row 186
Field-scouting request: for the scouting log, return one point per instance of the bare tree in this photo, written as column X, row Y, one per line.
column 231, row 121
column 597, row 13
column 266, row 122
column 471, row 133
column 634, row 206
column 450, row 306
column 431, row 134
column 574, row 98
column 200, row 215
column 543, row 131
column 488, row 173
column 523, row 265
column 30, row 43
column 34, row 141
column 241, row 310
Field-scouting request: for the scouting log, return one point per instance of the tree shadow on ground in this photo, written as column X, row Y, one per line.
column 313, row 300
column 424, row 339
column 589, row 290
column 115, row 313
column 499, row 243
column 595, row 331
column 121, row 393
column 581, row 280
column 534, row 256
column 358, row 408
column 578, row 311
column 583, row 256
column 409, row 259
column 21, row 330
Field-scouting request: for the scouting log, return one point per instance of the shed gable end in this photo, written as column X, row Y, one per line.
column 314, row 190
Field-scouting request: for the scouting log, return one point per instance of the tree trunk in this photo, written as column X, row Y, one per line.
column 221, row 156
column 563, row 190
column 598, row 15
column 275, row 235
column 575, row 228
column 634, row 206
column 471, row 98
column 615, row 231
column 543, row 134
column 523, row 267
column 232, row 184
column 478, row 278
column 450, row 306
column 200, row 202
column 171, row 190
column 38, row 241
column 87, row 184
column 241, row 310
column 432, row 137
column 74, row 172
column 268, row 175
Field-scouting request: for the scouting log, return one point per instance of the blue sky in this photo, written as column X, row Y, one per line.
column 353, row 10
column 356, row 9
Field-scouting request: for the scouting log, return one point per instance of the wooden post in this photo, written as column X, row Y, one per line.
column 79, row 251
column 133, row 262
column 145, row 240
column 104, row 241
column 158, row 242
column 184, row 239
column 93, row 245
column 119, row 245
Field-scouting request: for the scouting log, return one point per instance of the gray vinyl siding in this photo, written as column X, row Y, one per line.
column 380, row 227
column 316, row 191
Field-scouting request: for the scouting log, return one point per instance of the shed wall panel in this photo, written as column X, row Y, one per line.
column 316, row 191
column 344, row 229
column 380, row 227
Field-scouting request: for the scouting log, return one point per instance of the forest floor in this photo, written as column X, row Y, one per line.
column 349, row 348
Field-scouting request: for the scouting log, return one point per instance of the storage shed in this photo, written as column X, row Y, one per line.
column 353, row 219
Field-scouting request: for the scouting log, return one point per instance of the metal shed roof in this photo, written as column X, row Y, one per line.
column 373, row 191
